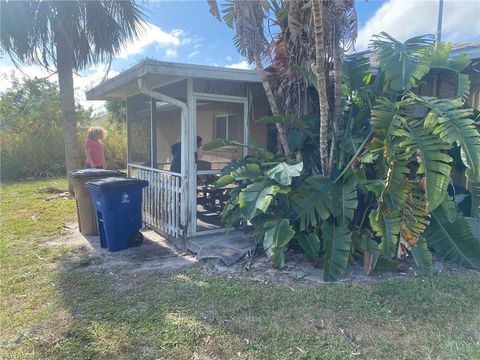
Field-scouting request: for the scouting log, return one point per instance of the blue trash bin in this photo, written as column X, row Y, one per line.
column 118, row 205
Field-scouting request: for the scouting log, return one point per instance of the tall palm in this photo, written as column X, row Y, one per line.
column 247, row 19
column 335, row 29
column 68, row 36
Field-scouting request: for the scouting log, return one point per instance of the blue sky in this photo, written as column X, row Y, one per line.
column 185, row 31
column 206, row 40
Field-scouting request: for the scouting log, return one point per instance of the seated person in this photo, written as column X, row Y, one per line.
column 176, row 149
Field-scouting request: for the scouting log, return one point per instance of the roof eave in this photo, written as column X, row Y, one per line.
column 151, row 67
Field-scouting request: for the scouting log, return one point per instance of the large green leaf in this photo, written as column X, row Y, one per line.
column 453, row 124
column 247, row 172
column 356, row 71
column 397, row 186
column 343, row 195
column 337, row 247
column 278, row 234
column 309, row 242
column 453, row 241
column 422, row 255
column 224, row 181
column 385, row 122
column 441, row 60
column 404, row 63
column 311, row 202
column 434, row 163
column 219, row 143
column 386, row 225
column 283, row 172
column 256, row 198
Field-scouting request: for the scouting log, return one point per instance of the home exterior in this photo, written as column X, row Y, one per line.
column 169, row 105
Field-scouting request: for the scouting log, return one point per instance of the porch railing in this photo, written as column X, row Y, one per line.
column 161, row 199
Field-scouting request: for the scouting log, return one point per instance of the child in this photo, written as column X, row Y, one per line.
column 94, row 148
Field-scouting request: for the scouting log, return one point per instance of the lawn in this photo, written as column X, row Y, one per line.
column 53, row 306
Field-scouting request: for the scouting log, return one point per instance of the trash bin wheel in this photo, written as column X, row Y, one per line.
column 135, row 239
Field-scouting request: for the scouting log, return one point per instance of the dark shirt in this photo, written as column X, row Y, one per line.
column 176, row 164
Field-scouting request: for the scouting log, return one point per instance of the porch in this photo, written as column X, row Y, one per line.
column 171, row 108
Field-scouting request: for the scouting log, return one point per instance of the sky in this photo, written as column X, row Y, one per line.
column 184, row 31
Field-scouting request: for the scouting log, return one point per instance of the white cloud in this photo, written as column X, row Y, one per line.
column 171, row 53
column 241, row 65
column 406, row 18
column 82, row 82
column 193, row 53
column 154, row 35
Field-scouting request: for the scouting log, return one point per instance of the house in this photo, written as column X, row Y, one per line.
column 169, row 105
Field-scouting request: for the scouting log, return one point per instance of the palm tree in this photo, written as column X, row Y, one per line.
column 247, row 19
column 335, row 25
column 68, row 36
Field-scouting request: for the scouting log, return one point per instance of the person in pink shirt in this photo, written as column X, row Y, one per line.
column 94, row 148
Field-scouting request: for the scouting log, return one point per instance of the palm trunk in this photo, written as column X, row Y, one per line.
column 67, row 102
column 337, row 65
column 273, row 105
column 317, row 11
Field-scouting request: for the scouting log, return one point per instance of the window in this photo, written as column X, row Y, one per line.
column 226, row 126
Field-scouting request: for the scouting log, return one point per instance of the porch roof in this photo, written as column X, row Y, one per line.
column 159, row 73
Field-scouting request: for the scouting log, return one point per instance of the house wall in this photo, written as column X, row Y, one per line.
column 168, row 133
column 206, row 113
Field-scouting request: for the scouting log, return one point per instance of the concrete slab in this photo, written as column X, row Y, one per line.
column 155, row 254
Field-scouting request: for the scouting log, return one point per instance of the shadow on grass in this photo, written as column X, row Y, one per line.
column 124, row 314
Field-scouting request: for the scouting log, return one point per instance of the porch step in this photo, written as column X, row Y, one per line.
column 228, row 248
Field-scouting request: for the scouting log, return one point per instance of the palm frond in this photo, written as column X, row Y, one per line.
column 337, row 250
column 311, row 202
column 434, row 163
column 386, row 224
column 453, row 241
column 454, row 125
column 404, row 63
column 441, row 60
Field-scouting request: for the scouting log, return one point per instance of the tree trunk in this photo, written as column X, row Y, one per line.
column 317, row 11
column 337, row 66
column 67, row 101
column 273, row 105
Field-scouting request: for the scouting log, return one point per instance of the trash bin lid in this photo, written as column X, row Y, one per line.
column 94, row 173
column 115, row 182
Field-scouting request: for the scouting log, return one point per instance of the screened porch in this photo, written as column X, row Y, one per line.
column 169, row 117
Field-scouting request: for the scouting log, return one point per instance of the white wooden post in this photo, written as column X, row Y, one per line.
column 192, row 166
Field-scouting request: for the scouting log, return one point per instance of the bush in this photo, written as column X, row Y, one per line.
column 31, row 137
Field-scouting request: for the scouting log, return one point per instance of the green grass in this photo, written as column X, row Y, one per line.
column 67, row 310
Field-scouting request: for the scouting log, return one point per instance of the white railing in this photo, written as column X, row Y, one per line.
column 161, row 199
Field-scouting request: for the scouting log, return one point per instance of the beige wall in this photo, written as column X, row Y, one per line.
column 169, row 129
column 168, row 133
column 206, row 114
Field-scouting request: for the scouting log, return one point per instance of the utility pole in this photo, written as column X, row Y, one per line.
column 439, row 22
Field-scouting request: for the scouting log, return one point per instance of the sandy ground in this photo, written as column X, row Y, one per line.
column 157, row 255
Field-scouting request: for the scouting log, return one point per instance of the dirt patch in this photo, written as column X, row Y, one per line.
column 154, row 255
column 157, row 255
column 299, row 270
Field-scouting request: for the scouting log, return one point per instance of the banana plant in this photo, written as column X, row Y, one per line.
column 386, row 197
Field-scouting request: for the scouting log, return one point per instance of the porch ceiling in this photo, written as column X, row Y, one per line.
column 159, row 73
